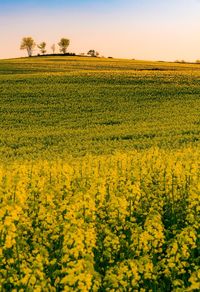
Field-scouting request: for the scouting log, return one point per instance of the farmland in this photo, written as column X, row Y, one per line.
column 59, row 106
column 99, row 175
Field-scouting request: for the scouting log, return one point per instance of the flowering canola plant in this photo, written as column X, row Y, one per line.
column 121, row 222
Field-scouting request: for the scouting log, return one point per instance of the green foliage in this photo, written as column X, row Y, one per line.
column 28, row 44
column 64, row 44
column 42, row 47
column 93, row 53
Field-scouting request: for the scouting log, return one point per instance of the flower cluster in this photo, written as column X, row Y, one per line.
column 122, row 222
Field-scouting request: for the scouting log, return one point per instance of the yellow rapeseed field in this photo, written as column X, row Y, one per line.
column 122, row 222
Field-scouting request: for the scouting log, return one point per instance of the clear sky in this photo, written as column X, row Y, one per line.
column 140, row 29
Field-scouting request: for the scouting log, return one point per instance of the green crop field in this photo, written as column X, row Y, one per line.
column 99, row 175
column 53, row 106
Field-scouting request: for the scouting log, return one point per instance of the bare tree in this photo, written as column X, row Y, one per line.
column 53, row 47
column 28, row 44
column 42, row 47
column 63, row 44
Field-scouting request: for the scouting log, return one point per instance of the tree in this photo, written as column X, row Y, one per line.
column 53, row 47
column 93, row 53
column 42, row 47
column 28, row 44
column 63, row 44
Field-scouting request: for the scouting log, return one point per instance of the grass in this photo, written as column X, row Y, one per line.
column 55, row 106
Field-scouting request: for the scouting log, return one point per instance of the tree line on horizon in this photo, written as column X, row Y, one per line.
column 29, row 45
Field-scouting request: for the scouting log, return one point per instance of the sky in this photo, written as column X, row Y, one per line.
column 163, row 30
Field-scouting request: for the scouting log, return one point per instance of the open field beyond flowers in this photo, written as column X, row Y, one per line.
column 55, row 106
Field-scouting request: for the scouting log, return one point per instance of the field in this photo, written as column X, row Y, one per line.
column 99, row 175
column 59, row 106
